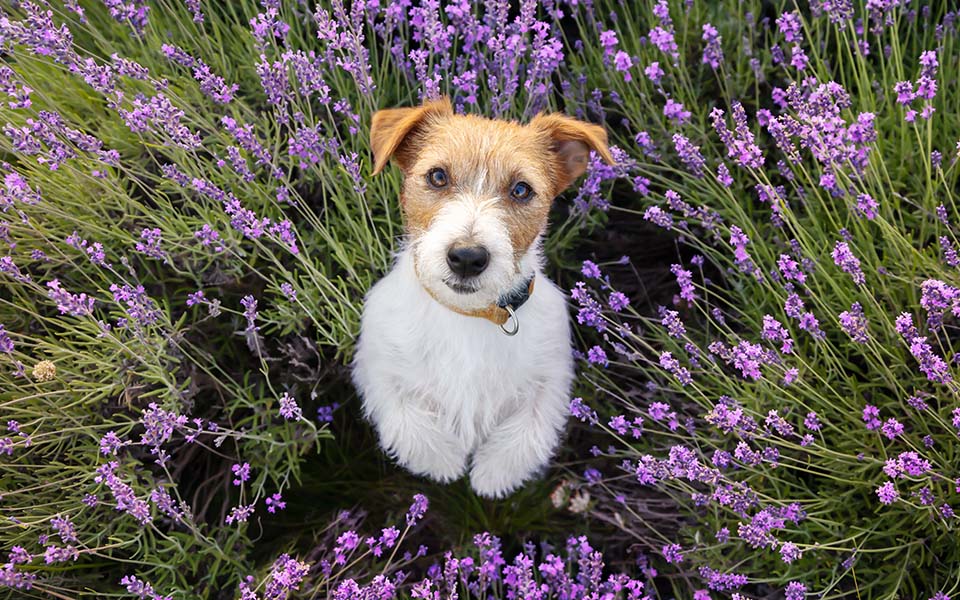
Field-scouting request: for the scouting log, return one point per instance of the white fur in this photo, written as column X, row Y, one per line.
column 448, row 392
column 471, row 219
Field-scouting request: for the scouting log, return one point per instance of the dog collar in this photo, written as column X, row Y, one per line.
column 501, row 312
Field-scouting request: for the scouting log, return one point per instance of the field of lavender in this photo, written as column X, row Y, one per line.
column 764, row 286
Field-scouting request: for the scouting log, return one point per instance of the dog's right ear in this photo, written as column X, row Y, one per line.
column 391, row 127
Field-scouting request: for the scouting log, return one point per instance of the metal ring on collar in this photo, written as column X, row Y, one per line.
column 516, row 322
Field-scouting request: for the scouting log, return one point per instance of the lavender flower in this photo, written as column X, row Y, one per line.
column 241, row 472
column 713, row 52
column 848, row 263
column 289, row 409
column 689, row 154
column 78, row 305
column 887, row 493
column 150, row 243
column 671, row 364
column 685, row 281
column 854, row 324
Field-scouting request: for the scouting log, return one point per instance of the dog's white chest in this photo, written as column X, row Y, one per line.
column 435, row 382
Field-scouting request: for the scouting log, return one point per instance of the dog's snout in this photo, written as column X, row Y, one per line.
column 468, row 261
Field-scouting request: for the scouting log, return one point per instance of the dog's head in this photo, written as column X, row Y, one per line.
column 476, row 191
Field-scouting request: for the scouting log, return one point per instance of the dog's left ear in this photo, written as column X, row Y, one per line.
column 571, row 142
column 391, row 127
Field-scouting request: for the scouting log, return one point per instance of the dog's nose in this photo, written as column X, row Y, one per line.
column 467, row 261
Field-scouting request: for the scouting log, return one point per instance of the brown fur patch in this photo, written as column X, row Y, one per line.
column 485, row 158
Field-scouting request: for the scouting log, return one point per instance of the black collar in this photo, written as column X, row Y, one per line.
column 516, row 297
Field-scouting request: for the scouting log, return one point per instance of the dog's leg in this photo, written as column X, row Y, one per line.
column 410, row 434
column 521, row 444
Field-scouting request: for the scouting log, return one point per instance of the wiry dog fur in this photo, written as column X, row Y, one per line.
column 447, row 392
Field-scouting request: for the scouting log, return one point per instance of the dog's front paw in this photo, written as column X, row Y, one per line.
column 439, row 459
column 494, row 476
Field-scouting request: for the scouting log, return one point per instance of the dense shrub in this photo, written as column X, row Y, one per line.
column 797, row 396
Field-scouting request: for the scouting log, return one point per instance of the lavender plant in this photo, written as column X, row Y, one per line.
column 188, row 231
column 797, row 396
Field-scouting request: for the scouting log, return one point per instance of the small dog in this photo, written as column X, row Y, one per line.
column 464, row 347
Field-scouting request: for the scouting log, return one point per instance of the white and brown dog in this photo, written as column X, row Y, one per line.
column 440, row 373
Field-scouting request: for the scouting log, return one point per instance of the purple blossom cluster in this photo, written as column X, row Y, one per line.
column 924, row 88
column 211, row 84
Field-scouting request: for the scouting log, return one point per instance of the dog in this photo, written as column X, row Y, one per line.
column 464, row 358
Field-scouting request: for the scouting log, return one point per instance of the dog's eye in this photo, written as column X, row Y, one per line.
column 437, row 178
column 521, row 191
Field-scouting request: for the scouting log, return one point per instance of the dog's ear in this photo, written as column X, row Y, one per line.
column 392, row 126
column 571, row 141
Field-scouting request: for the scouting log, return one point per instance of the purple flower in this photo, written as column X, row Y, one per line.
column 671, row 364
column 848, row 263
column 789, row 552
column 78, row 305
column 892, row 428
column 674, row 111
column 194, row 7
column 325, row 413
column 798, row 58
column 887, row 493
column 904, row 92
column 275, row 503
column 672, row 553
column 774, row 331
column 417, row 509
column 138, row 306
column 654, row 72
column 689, row 154
column 597, row 356
column 722, row 582
column 790, row 26
column 250, row 312
column 671, row 320
column 871, row 417
column 740, row 143
column 159, row 116
column 623, row 63
column 132, row 13
column 658, row 217
column 6, row 344
column 289, row 409
column 665, row 41
column 581, row 411
column 854, row 324
column 208, row 236
column 790, row 269
column 195, row 298
column 867, row 206
column 937, row 297
column 110, row 443
column 123, row 493
column 590, row 270
column 54, row 554
column 165, row 504
column 64, row 528
column 723, row 175
column 713, row 52
column 795, row 591
column 150, row 243
column 618, row 301
column 242, row 473
column 685, row 281
column 239, row 514
column 609, row 41
column 285, row 576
